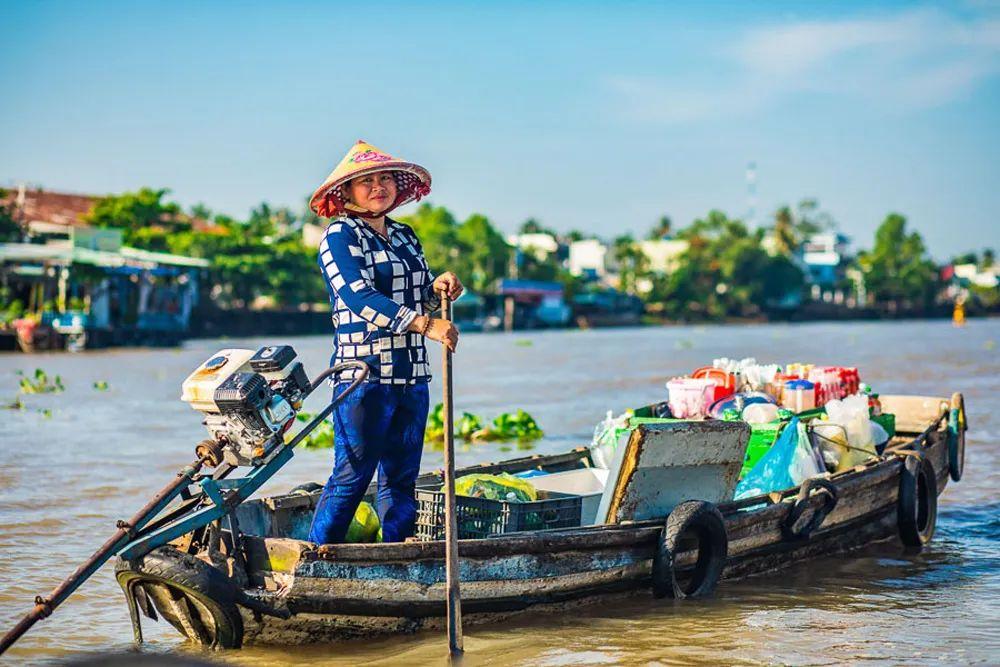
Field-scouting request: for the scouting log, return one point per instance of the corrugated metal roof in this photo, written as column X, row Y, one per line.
column 63, row 254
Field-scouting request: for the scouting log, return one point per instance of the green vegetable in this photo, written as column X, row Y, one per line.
column 365, row 526
column 496, row 487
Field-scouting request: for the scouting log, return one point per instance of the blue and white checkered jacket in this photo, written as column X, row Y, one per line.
column 377, row 287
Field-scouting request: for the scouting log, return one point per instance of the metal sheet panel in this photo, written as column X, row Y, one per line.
column 665, row 464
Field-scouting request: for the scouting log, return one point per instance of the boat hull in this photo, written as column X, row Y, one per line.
column 330, row 592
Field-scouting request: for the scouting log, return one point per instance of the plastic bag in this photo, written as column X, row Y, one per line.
column 606, row 436
column 365, row 526
column 496, row 487
column 852, row 415
column 790, row 461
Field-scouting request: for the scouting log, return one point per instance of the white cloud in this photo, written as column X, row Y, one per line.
column 911, row 60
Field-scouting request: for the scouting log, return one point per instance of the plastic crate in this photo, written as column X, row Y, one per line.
column 481, row 517
column 887, row 421
column 762, row 436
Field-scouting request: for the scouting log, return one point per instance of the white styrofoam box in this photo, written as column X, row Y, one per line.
column 586, row 482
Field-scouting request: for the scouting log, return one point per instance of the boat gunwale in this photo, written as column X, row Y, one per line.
column 610, row 535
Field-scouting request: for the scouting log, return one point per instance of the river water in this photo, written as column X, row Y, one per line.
column 67, row 475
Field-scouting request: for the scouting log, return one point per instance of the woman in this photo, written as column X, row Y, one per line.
column 382, row 294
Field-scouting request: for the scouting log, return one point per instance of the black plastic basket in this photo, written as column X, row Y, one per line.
column 481, row 517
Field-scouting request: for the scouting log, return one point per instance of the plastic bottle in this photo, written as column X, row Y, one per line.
column 799, row 395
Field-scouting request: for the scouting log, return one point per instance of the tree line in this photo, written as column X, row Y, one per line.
column 727, row 270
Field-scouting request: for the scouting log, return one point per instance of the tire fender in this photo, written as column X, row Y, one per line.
column 802, row 502
column 706, row 522
column 917, row 509
column 205, row 588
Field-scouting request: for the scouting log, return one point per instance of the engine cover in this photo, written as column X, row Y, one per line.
column 249, row 399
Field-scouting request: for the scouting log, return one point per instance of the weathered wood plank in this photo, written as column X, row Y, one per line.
column 396, row 597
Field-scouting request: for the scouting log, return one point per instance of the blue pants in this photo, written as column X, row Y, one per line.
column 376, row 426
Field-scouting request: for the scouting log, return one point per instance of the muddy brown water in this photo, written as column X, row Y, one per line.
column 65, row 478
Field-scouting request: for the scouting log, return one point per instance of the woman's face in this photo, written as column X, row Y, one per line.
column 374, row 192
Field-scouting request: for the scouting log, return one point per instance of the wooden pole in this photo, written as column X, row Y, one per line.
column 450, row 519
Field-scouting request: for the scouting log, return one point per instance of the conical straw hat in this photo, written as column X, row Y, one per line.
column 412, row 180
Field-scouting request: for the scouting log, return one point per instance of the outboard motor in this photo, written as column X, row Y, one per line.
column 249, row 400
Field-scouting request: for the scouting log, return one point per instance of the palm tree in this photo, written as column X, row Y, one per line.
column 786, row 241
column 661, row 229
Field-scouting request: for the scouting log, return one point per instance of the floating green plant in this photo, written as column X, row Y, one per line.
column 101, row 385
column 518, row 426
column 320, row 437
column 16, row 404
column 40, row 383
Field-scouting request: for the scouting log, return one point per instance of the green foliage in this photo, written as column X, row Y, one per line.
column 505, row 427
column 897, row 270
column 474, row 250
column 484, row 253
column 263, row 256
column 10, row 309
column 533, row 226
column 16, row 404
column 10, row 231
column 40, row 383
column 320, row 437
column 467, row 425
column 100, row 385
column 145, row 219
column 662, row 228
column 725, row 272
column 632, row 262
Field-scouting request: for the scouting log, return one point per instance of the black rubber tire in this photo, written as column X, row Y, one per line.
column 198, row 581
column 704, row 519
column 917, row 509
column 802, row 502
column 956, row 438
column 308, row 488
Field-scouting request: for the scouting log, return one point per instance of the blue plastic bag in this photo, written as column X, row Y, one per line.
column 790, row 461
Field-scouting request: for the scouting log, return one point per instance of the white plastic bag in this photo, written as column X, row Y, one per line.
column 852, row 415
column 606, row 436
column 805, row 462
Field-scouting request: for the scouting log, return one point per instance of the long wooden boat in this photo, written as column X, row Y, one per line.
column 276, row 588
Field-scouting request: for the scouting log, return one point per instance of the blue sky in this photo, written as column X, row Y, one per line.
column 597, row 116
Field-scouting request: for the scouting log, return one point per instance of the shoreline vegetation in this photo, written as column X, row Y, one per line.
column 263, row 277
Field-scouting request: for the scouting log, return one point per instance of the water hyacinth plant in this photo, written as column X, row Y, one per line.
column 40, row 383
column 320, row 437
column 519, row 426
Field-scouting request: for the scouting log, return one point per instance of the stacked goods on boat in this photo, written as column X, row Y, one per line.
column 489, row 504
column 823, row 417
column 805, row 421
